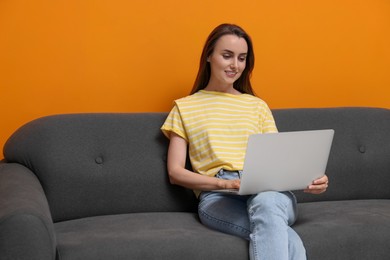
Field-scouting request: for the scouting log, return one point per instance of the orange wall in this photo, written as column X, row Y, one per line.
column 69, row 56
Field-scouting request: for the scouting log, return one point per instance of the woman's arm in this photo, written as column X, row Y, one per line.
column 177, row 154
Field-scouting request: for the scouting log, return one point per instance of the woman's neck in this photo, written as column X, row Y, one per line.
column 227, row 89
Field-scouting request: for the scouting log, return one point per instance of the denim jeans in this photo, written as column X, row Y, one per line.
column 264, row 219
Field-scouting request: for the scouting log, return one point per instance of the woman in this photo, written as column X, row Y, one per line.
column 214, row 122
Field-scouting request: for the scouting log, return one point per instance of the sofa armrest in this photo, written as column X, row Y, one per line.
column 26, row 226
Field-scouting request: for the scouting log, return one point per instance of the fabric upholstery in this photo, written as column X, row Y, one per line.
column 26, row 226
column 360, row 151
column 95, row 186
column 166, row 235
column 98, row 164
column 345, row 230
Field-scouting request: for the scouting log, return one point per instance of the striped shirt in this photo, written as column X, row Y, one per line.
column 217, row 126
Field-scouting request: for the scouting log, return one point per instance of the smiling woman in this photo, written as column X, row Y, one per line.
column 214, row 124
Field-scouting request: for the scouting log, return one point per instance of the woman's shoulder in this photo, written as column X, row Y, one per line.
column 253, row 98
column 190, row 98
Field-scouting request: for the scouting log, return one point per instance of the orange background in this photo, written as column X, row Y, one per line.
column 69, row 56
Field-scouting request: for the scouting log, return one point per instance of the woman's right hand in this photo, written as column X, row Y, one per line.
column 229, row 184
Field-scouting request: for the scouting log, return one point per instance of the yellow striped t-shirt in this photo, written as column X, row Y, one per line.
column 216, row 126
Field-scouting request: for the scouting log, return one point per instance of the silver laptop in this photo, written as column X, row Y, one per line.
column 284, row 161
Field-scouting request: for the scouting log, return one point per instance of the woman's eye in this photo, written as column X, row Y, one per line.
column 242, row 59
column 226, row 56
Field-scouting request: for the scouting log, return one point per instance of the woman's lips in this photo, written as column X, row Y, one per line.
column 231, row 73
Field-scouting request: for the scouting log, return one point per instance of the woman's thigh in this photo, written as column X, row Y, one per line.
column 228, row 213
column 272, row 203
column 225, row 212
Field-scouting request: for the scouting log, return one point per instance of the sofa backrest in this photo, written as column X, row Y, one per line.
column 359, row 161
column 96, row 164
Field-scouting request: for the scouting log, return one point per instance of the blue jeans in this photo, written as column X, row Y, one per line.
column 264, row 219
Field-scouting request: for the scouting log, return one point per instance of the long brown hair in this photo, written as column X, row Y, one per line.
column 243, row 83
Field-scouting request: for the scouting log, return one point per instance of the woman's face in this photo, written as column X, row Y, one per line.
column 228, row 61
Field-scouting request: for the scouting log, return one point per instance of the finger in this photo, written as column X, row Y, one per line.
column 323, row 179
column 233, row 184
column 316, row 189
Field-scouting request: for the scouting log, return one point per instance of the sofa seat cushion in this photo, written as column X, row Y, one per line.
column 353, row 229
column 145, row 236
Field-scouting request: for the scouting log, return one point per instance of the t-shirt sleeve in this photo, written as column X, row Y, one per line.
column 174, row 123
column 268, row 121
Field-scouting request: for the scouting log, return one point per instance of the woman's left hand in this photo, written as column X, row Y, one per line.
column 318, row 186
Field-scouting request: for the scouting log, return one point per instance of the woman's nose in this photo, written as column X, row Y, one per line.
column 234, row 64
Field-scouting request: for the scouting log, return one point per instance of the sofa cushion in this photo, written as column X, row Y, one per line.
column 343, row 230
column 145, row 236
column 364, row 225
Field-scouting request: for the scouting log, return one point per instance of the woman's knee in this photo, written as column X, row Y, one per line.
column 270, row 199
column 274, row 203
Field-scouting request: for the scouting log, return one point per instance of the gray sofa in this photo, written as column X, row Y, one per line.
column 95, row 186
